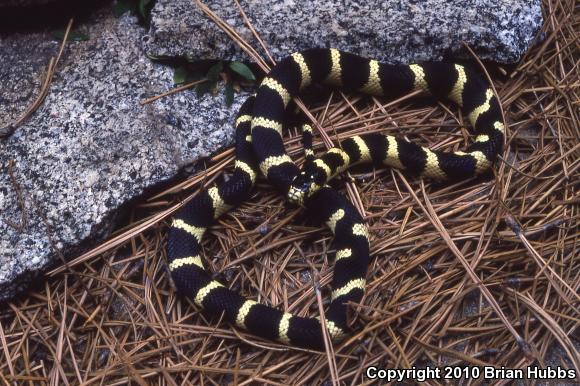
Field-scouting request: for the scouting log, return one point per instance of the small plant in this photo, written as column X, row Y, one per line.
column 140, row 8
column 73, row 35
column 208, row 73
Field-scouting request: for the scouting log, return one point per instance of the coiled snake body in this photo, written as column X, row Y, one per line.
column 259, row 147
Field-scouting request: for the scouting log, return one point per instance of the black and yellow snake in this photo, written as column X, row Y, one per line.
column 259, row 147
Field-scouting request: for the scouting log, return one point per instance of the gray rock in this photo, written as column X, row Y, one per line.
column 392, row 30
column 22, row 71
column 91, row 146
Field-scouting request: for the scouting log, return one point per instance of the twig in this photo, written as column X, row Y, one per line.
column 10, row 128
column 172, row 91
column 545, row 268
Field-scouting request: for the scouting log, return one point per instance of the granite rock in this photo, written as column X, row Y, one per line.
column 391, row 30
column 91, row 146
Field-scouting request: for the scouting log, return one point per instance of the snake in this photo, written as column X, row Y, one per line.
column 259, row 149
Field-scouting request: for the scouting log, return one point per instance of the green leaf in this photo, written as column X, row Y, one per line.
column 243, row 70
column 180, row 75
column 214, row 72
column 161, row 58
column 229, row 94
column 204, row 88
column 143, row 7
column 123, row 6
column 73, row 36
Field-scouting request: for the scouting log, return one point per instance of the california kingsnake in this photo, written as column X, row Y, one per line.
column 259, row 146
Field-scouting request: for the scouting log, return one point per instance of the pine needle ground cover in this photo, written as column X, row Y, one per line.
column 478, row 273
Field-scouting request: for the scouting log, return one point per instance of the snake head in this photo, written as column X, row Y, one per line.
column 304, row 185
